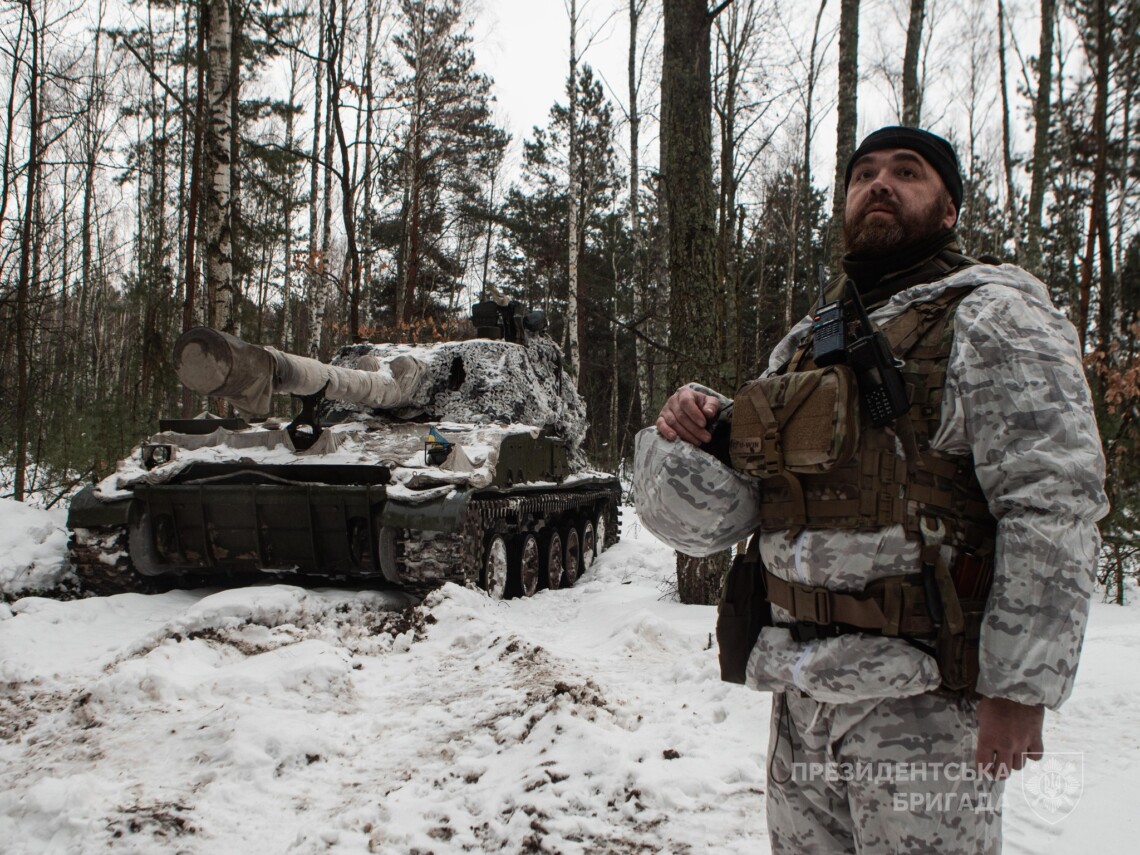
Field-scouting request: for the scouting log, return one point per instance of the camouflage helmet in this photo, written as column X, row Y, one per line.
column 689, row 499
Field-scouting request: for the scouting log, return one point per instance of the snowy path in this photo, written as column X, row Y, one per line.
column 278, row 720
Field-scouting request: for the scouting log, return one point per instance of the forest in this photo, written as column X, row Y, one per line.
column 311, row 173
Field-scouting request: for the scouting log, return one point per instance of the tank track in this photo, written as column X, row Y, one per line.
column 428, row 559
column 425, row 559
column 103, row 565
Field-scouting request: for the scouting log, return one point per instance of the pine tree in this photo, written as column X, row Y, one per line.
column 449, row 147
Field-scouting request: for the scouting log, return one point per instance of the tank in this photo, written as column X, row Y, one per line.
column 404, row 465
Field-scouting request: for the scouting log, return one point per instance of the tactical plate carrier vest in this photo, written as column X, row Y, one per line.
column 935, row 497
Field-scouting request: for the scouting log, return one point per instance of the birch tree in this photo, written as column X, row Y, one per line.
column 218, row 23
column 573, row 241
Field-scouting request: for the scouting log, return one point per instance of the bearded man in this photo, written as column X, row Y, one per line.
column 929, row 554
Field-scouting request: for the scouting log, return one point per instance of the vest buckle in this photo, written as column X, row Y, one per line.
column 811, row 604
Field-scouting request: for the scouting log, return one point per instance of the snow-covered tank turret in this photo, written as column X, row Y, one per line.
column 407, row 464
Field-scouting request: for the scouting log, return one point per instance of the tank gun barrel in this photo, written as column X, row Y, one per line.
column 214, row 363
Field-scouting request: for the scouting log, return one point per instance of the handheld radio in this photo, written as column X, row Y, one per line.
column 829, row 328
column 881, row 386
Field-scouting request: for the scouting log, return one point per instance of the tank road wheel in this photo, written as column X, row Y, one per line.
column 527, row 563
column 495, row 568
column 589, row 545
column 600, row 531
column 571, row 556
column 552, row 558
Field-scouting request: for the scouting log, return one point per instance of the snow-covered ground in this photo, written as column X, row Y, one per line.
column 275, row 719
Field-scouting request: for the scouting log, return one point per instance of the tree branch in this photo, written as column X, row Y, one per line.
column 724, row 5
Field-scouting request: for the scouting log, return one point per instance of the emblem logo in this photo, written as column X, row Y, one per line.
column 1053, row 786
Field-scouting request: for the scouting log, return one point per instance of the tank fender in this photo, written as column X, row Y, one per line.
column 443, row 514
column 89, row 511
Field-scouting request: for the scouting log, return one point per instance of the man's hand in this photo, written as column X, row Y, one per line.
column 686, row 414
column 1008, row 734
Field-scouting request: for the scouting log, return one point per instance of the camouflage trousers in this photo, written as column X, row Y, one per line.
column 891, row 775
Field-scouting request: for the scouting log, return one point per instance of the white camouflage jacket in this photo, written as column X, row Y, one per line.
column 1017, row 400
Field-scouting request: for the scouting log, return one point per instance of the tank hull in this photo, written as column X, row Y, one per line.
column 342, row 525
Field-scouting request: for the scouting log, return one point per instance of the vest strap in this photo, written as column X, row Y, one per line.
column 895, row 606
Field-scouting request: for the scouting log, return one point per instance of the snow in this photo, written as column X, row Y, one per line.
column 32, row 547
column 278, row 719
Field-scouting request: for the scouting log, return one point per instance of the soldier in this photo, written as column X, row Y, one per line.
column 929, row 569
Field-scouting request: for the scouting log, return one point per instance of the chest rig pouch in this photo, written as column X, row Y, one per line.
column 805, row 422
column 823, row 465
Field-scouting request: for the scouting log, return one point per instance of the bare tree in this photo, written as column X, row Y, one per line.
column 640, row 283
column 847, row 110
column 912, row 92
column 1006, row 143
column 347, row 190
column 1102, row 51
column 813, row 70
column 1038, row 175
column 28, row 244
column 740, row 105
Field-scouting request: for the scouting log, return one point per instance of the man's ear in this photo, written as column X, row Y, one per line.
column 951, row 216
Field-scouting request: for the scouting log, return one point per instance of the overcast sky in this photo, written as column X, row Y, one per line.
column 525, row 46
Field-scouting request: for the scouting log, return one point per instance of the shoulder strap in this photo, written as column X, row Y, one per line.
column 908, row 327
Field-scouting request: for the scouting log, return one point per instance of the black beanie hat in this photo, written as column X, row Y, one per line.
column 933, row 149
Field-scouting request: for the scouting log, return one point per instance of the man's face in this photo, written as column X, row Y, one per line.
column 894, row 200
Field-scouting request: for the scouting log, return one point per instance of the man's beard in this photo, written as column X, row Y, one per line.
column 882, row 235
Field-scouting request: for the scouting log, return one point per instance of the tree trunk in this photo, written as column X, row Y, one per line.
column 1084, row 289
column 366, row 177
column 285, row 336
column 1040, row 136
column 26, row 269
column 328, row 280
column 1129, row 92
column 1107, row 302
column 575, row 189
column 809, row 131
column 912, row 94
column 1006, row 144
column 219, row 167
column 410, row 249
column 193, row 205
column 790, row 270
column 347, row 194
column 314, row 265
column 324, row 279
column 641, row 300
column 846, row 124
column 733, row 37
column 686, row 162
